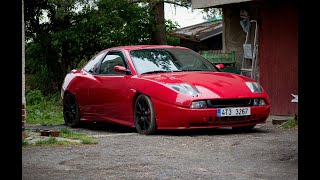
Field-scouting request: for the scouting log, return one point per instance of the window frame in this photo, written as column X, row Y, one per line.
column 124, row 59
column 93, row 70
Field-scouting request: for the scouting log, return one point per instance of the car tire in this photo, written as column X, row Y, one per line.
column 243, row 128
column 71, row 112
column 144, row 115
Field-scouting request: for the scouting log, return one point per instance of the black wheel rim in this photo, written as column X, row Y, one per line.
column 143, row 115
column 70, row 109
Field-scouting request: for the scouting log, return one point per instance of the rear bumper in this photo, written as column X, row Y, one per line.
column 170, row 116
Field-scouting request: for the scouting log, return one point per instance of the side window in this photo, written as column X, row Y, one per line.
column 92, row 64
column 108, row 63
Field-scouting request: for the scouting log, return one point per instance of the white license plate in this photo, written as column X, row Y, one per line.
column 238, row 111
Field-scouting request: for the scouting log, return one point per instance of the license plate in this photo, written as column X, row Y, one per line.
column 239, row 111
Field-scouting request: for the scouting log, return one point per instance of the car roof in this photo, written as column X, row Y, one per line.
column 135, row 47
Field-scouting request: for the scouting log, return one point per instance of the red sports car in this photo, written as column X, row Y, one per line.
column 152, row 87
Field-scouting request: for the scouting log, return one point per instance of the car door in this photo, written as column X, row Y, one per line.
column 84, row 81
column 112, row 94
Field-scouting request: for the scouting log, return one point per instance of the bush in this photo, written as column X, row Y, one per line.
column 40, row 81
column 34, row 97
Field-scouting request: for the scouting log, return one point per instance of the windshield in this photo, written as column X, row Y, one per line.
column 148, row 61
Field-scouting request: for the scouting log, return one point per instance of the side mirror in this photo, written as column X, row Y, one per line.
column 220, row 66
column 120, row 69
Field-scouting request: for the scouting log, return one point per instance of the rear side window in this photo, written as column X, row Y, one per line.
column 92, row 64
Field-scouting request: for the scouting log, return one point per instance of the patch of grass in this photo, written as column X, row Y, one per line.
column 43, row 110
column 68, row 133
column 88, row 140
column 64, row 133
column 290, row 124
column 50, row 140
column 66, row 143
column 24, row 143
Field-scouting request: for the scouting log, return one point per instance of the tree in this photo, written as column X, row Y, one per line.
column 211, row 13
column 170, row 26
column 74, row 31
column 157, row 12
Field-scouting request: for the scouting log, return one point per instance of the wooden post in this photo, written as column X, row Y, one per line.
column 23, row 77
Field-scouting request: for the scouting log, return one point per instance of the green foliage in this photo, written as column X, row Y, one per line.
column 74, row 32
column 173, row 41
column 34, row 97
column 81, row 63
column 291, row 123
column 170, row 26
column 43, row 110
column 24, row 143
column 40, row 81
column 34, row 63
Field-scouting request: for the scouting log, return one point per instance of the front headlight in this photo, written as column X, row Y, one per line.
column 185, row 88
column 198, row 105
column 254, row 87
column 259, row 102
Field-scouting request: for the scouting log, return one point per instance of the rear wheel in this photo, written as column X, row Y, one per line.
column 144, row 115
column 71, row 112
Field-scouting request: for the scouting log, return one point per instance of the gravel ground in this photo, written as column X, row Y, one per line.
column 266, row 152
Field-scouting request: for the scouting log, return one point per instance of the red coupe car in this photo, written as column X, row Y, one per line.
column 153, row 87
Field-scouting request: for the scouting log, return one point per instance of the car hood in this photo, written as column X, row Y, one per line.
column 209, row 84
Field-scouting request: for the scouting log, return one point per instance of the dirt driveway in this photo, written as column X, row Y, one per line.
column 266, row 152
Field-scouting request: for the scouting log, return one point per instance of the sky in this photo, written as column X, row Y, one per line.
column 184, row 16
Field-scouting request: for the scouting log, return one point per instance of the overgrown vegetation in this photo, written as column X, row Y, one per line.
column 291, row 123
column 43, row 110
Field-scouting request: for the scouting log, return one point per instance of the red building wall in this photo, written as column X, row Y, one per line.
column 278, row 56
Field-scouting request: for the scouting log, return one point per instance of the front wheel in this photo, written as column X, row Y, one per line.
column 71, row 112
column 144, row 115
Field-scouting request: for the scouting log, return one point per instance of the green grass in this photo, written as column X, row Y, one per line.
column 290, row 124
column 24, row 143
column 50, row 140
column 64, row 133
column 47, row 110
column 43, row 110
column 70, row 134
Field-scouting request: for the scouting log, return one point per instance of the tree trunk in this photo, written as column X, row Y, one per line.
column 159, row 35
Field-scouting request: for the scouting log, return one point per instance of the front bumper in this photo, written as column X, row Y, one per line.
column 169, row 116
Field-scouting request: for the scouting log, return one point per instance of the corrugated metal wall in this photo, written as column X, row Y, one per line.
column 278, row 54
